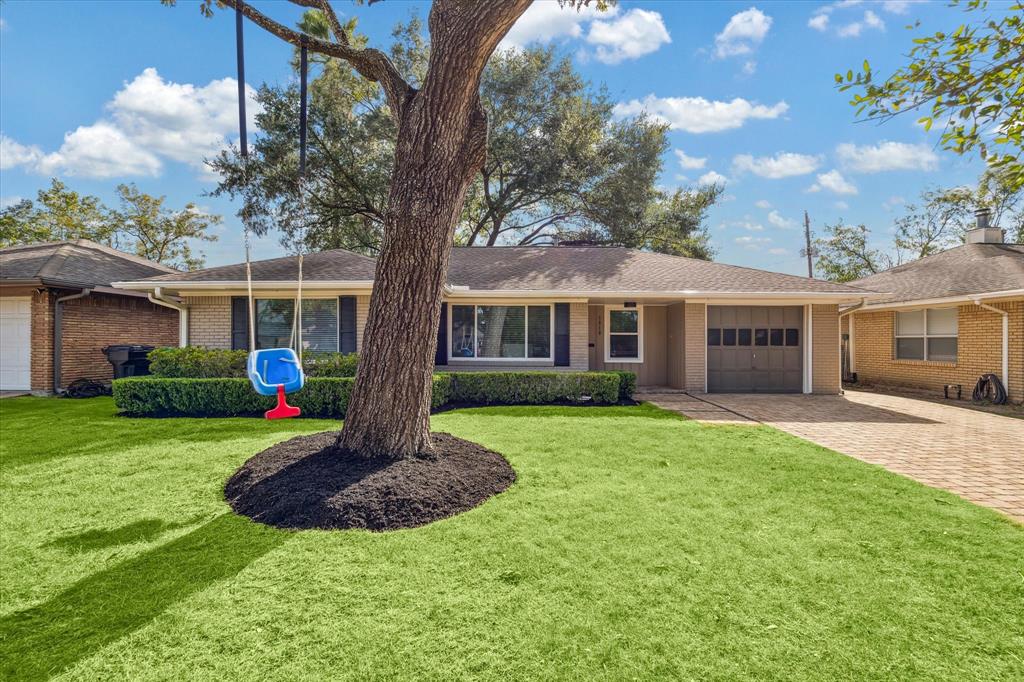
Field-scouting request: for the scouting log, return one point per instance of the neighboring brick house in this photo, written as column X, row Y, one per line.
column 949, row 318
column 677, row 322
column 71, row 281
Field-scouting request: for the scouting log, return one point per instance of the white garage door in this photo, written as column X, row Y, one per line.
column 15, row 344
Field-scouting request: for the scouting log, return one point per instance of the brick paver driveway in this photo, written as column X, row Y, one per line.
column 976, row 455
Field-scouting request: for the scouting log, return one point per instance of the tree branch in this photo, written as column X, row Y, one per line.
column 372, row 64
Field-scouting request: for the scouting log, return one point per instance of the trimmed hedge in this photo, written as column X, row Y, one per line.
column 328, row 396
column 627, row 384
column 196, row 362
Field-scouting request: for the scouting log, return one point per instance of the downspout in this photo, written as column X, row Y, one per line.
column 158, row 298
column 1006, row 340
column 58, row 314
column 852, row 348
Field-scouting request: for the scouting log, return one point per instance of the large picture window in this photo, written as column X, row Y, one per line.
column 507, row 332
column 624, row 336
column 929, row 334
column 275, row 318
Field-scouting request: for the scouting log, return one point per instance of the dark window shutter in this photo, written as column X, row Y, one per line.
column 347, row 324
column 441, row 354
column 239, row 323
column 561, row 334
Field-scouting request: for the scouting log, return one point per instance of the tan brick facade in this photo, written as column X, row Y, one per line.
column 979, row 350
column 825, row 349
column 209, row 321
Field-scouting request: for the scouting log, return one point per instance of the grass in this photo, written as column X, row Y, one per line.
column 635, row 544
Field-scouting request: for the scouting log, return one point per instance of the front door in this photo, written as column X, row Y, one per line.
column 755, row 349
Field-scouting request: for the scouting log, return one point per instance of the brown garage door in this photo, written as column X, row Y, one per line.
column 755, row 349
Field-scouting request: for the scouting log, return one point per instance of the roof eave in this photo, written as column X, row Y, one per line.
column 944, row 300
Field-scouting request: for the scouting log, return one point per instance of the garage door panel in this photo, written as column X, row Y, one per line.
column 774, row 366
column 15, row 344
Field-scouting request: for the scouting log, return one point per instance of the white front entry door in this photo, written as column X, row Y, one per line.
column 15, row 344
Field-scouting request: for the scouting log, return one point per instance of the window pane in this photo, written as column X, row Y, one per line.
column 942, row 349
column 274, row 322
column 776, row 337
column 942, row 322
column 744, row 337
column 910, row 323
column 501, row 331
column 714, row 337
column 760, row 337
column 539, row 333
column 623, row 346
column 624, row 321
column 910, row 348
column 462, row 331
column 320, row 325
column 728, row 337
column 792, row 337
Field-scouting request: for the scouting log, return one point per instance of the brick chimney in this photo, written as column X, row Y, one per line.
column 984, row 233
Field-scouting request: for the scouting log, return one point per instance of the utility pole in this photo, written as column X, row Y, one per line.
column 808, row 250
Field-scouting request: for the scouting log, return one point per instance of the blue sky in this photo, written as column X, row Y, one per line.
column 98, row 93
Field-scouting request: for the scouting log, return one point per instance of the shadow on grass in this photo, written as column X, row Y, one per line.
column 97, row 538
column 640, row 411
column 102, row 608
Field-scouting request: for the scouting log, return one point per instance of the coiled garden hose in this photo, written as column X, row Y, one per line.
column 990, row 388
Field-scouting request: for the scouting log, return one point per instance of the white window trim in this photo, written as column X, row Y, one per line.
column 639, row 335
column 526, row 321
column 337, row 313
column 923, row 335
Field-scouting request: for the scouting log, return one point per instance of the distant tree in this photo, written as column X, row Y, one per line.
column 967, row 81
column 558, row 168
column 59, row 214
column 844, row 254
column 143, row 225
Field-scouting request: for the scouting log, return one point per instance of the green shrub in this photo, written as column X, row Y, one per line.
column 627, row 384
column 328, row 396
column 533, row 388
column 196, row 362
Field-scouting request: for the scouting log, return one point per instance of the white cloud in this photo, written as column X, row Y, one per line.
column 776, row 219
column 149, row 120
column 887, row 156
column 833, row 181
column 546, row 21
column 819, row 22
column 842, row 205
column 634, row 34
column 892, row 202
column 749, row 67
column 873, row 20
column 752, row 243
column 712, row 178
column 13, row 154
column 899, row 6
column 9, row 201
column 744, row 32
column 763, row 203
column 782, row 165
column 699, row 115
column 778, row 252
column 689, row 162
column 854, row 29
column 748, row 225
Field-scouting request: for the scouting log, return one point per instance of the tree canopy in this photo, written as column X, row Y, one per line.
column 559, row 167
column 968, row 81
column 141, row 224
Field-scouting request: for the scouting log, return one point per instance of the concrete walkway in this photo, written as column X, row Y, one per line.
column 976, row 455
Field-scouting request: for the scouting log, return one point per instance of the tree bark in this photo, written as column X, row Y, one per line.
column 441, row 145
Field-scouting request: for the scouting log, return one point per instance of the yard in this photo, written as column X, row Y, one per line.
column 634, row 544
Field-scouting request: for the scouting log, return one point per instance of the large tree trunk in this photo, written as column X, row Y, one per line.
column 442, row 141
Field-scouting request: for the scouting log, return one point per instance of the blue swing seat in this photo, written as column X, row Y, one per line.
column 272, row 367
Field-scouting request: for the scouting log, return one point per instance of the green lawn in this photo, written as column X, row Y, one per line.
column 633, row 545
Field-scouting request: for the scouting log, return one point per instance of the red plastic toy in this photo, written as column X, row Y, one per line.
column 282, row 410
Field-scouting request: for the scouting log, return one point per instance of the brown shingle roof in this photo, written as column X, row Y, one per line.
column 961, row 271
column 79, row 263
column 563, row 268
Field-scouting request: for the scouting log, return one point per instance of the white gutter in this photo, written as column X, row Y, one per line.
column 965, row 298
column 159, row 299
column 1006, row 340
column 853, row 308
column 241, row 284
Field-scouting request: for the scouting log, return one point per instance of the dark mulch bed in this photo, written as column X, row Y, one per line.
column 305, row 483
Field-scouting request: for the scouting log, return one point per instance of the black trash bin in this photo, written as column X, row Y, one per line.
column 128, row 360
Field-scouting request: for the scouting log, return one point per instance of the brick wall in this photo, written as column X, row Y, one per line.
column 209, row 321
column 825, row 349
column 979, row 351
column 99, row 320
column 695, row 345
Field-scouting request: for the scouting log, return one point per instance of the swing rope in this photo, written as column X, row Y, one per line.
column 297, row 316
column 244, row 148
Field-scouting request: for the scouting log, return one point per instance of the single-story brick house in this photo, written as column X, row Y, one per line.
column 58, row 311
column 676, row 322
column 948, row 319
